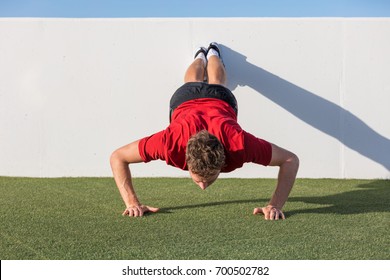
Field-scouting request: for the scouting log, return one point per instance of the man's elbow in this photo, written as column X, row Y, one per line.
column 115, row 158
column 293, row 162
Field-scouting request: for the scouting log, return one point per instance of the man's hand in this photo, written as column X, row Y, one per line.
column 270, row 212
column 139, row 210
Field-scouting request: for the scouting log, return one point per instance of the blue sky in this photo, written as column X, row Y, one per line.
column 194, row 8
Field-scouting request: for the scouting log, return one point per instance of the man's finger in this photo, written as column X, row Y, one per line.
column 152, row 209
column 277, row 214
column 136, row 212
column 125, row 213
column 272, row 214
column 266, row 213
column 260, row 210
column 257, row 211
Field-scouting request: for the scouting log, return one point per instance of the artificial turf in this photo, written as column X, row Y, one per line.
column 80, row 218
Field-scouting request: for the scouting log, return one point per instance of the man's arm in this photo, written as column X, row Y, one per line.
column 288, row 167
column 120, row 160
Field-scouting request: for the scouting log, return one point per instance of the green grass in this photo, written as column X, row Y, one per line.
column 80, row 218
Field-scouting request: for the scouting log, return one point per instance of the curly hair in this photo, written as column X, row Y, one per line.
column 205, row 154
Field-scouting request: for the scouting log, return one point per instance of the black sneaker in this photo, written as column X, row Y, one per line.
column 215, row 46
column 201, row 50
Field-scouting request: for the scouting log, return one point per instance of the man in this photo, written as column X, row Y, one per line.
column 204, row 138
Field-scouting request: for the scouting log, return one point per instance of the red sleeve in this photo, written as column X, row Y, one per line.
column 152, row 147
column 257, row 150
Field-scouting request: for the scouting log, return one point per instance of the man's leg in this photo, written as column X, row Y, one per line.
column 215, row 68
column 196, row 71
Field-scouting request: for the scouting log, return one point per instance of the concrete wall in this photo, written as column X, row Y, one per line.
column 73, row 90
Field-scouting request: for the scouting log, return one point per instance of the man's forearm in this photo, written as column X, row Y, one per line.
column 120, row 160
column 123, row 181
column 286, row 178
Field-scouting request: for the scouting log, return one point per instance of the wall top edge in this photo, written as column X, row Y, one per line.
column 373, row 19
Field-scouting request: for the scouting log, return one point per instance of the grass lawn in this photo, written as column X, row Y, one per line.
column 80, row 218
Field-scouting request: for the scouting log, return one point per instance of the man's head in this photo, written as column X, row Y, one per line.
column 205, row 158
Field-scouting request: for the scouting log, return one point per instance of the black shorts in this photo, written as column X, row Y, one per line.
column 195, row 90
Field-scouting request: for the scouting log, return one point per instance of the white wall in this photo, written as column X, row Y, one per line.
column 73, row 90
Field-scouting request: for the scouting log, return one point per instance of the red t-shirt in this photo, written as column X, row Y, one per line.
column 219, row 119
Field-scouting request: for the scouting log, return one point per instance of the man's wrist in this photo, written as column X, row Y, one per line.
column 133, row 203
column 270, row 206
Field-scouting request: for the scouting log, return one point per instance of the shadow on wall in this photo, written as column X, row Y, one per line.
column 316, row 111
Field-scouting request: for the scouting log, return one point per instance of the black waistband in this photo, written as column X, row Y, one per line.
column 195, row 90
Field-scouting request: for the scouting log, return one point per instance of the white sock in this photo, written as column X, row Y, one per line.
column 211, row 53
column 202, row 57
